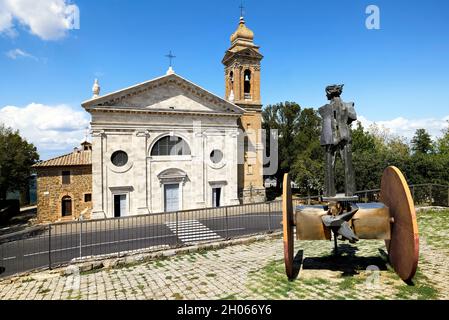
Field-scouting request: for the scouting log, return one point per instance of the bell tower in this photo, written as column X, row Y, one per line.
column 242, row 86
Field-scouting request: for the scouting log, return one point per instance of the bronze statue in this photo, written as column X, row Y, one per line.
column 342, row 216
column 336, row 136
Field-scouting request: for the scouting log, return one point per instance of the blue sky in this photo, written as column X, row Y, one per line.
column 398, row 75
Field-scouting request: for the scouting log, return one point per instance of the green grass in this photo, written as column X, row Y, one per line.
column 348, row 283
column 93, row 271
column 178, row 296
column 421, row 290
column 78, row 297
column 433, row 226
column 43, row 291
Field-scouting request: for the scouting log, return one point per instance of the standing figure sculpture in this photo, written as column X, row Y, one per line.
column 336, row 137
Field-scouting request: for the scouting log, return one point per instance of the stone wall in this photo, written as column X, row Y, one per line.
column 50, row 192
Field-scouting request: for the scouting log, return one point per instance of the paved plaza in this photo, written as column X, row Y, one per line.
column 255, row 270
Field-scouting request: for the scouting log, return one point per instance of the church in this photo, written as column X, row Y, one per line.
column 168, row 144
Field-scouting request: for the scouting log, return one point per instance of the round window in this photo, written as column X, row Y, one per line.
column 119, row 158
column 216, row 156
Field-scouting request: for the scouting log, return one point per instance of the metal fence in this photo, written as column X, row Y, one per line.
column 57, row 244
column 423, row 194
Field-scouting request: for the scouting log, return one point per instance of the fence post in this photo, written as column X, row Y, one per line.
column 227, row 222
column 366, row 197
column 49, row 246
column 119, row 234
column 177, row 229
column 81, row 239
column 448, row 197
column 430, row 194
column 269, row 216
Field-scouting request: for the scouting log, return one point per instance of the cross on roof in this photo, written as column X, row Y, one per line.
column 242, row 8
column 170, row 56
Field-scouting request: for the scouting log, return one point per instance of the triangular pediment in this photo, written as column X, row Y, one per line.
column 242, row 53
column 170, row 93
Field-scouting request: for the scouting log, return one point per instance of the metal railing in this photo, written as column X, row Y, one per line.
column 423, row 194
column 58, row 244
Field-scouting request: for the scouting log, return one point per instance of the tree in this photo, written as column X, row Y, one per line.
column 443, row 142
column 362, row 141
column 285, row 118
column 422, row 142
column 16, row 158
column 307, row 170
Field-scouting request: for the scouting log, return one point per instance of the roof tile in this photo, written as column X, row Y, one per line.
column 76, row 158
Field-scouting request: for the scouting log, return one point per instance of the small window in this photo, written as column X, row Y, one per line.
column 216, row 156
column 119, row 158
column 65, row 177
column 88, row 197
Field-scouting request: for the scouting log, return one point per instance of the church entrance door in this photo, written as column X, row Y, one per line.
column 120, row 207
column 171, row 196
column 216, row 197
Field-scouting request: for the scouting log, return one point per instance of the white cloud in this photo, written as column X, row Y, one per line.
column 53, row 129
column 47, row 19
column 407, row 127
column 19, row 53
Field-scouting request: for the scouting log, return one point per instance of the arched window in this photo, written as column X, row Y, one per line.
column 66, row 206
column 247, row 84
column 171, row 146
column 231, row 77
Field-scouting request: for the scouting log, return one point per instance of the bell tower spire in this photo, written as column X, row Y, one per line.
column 242, row 86
column 242, row 65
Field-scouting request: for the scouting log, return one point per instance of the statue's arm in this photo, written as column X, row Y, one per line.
column 352, row 115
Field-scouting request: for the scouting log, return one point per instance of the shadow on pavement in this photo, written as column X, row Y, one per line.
column 297, row 261
column 346, row 261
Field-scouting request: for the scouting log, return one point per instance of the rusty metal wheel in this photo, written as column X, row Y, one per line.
column 403, row 248
column 287, row 225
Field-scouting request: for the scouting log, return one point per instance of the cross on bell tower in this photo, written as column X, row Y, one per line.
column 242, row 8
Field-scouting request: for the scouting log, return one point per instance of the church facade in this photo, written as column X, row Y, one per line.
column 168, row 145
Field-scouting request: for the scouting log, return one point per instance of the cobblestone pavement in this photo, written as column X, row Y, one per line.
column 251, row 271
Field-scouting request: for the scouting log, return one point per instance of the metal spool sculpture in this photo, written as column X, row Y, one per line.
column 400, row 230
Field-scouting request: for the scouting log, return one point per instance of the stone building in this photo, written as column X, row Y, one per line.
column 168, row 144
column 64, row 186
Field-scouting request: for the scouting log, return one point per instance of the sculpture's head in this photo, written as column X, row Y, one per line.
column 334, row 91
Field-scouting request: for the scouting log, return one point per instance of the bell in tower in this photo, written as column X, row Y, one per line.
column 242, row 85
